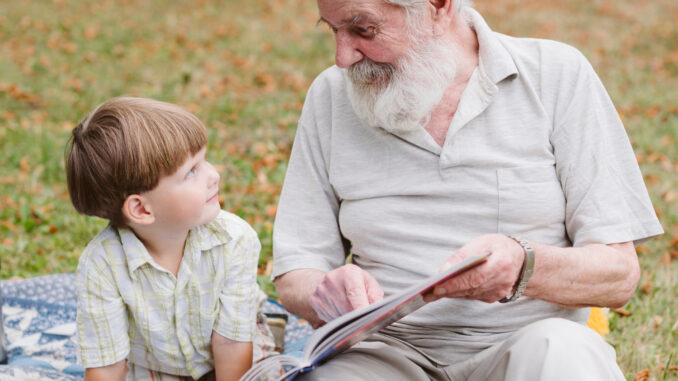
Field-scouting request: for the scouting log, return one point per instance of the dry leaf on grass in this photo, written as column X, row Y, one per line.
column 643, row 375
column 622, row 311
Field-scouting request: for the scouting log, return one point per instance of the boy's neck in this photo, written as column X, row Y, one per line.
column 166, row 246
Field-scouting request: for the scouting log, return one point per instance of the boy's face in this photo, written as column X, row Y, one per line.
column 188, row 197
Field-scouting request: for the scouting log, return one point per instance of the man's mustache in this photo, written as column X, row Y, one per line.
column 368, row 72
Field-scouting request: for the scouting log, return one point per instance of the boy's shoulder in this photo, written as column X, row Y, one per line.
column 229, row 224
column 104, row 249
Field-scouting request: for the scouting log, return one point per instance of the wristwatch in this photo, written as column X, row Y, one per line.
column 525, row 271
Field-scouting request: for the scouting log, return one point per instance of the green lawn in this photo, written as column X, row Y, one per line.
column 244, row 66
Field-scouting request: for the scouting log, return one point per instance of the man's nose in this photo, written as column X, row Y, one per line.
column 347, row 52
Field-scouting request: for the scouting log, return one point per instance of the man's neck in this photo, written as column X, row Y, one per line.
column 467, row 60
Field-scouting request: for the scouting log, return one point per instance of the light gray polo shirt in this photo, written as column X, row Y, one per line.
column 536, row 149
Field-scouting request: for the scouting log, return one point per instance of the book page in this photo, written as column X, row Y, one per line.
column 355, row 326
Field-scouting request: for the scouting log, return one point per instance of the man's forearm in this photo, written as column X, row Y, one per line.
column 295, row 289
column 592, row 275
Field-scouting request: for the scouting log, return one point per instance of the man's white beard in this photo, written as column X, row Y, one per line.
column 401, row 99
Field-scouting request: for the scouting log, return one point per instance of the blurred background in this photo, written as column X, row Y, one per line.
column 243, row 67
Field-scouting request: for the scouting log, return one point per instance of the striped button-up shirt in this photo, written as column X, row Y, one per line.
column 130, row 307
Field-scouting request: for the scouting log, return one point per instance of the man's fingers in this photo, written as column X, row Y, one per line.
column 357, row 296
column 374, row 291
column 344, row 290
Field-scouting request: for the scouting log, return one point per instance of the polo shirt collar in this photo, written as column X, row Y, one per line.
column 496, row 62
column 204, row 237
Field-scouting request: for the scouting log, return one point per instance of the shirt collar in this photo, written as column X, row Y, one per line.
column 204, row 237
column 496, row 62
column 134, row 249
column 210, row 235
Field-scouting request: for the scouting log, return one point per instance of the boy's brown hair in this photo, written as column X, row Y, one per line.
column 124, row 147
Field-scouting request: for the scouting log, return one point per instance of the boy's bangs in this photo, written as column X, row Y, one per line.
column 166, row 140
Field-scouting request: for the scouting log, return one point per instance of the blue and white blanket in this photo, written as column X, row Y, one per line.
column 39, row 316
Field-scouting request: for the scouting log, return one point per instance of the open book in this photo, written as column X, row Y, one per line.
column 346, row 330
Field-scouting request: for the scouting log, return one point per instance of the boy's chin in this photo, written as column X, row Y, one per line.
column 211, row 213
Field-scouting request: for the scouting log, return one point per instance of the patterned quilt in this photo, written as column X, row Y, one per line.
column 39, row 321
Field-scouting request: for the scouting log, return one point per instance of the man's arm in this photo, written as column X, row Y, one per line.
column 295, row 289
column 591, row 275
column 320, row 297
column 111, row 372
column 231, row 358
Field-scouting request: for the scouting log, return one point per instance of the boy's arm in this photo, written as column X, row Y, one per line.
column 111, row 372
column 231, row 358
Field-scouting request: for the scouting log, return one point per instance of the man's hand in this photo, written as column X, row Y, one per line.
column 490, row 281
column 343, row 290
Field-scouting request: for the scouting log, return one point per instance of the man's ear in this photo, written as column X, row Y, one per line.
column 442, row 7
column 137, row 210
column 442, row 12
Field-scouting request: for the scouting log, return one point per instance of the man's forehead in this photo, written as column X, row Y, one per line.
column 343, row 12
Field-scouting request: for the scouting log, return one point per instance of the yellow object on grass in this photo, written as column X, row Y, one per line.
column 598, row 320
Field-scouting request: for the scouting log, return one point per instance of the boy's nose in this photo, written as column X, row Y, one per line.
column 213, row 175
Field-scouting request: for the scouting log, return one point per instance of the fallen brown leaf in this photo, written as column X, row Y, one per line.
column 271, row 210
column 646, row 287
column 657, row 321
column 23, row 164
column 669, row 196
column 643, row 375
column 666, row 259
column 622, row 311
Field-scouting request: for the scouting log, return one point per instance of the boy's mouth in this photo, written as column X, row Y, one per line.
column 213, row 198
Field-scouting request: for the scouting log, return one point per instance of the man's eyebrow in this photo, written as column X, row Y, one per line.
column 351, row 21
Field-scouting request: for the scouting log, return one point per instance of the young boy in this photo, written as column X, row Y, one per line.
column 167, row 291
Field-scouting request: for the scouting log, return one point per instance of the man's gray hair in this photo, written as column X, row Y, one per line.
column 416, row 6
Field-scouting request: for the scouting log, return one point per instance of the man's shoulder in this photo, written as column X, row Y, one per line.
column 542, row 54
column 328, row 80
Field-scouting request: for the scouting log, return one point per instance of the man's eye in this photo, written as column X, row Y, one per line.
column 365, row 31
column 191, row 173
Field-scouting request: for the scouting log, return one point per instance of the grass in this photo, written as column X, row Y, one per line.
column 244, row 67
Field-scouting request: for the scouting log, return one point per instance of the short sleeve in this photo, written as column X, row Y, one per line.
column 102, row 315
column 239, row 297
column 306, row 233
column 607, row 201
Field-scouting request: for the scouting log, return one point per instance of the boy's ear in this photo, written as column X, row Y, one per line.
column 137, row 210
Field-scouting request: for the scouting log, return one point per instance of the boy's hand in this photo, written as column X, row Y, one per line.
column 231, row 358
column 113, row 372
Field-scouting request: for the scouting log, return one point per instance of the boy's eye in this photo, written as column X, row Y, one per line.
column 191, row 173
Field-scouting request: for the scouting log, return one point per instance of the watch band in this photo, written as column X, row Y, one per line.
column 525, row 271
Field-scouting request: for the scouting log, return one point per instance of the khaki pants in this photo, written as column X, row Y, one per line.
column 551, row 349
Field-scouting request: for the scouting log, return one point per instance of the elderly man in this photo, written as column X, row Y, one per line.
column 435, row 138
